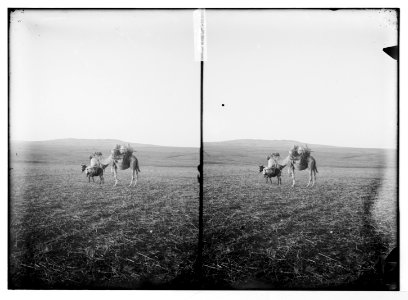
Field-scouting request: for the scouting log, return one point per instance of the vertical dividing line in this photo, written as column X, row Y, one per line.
column 9, row 277
column 398, row 151
column 201, row 206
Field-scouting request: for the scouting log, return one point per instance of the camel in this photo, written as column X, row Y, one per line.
column 299, row 161
column 124, row 161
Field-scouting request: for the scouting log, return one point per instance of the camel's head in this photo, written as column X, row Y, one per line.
column 83, row 168
column 261, row 168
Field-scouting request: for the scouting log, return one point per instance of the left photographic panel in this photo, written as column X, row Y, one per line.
column 104, row 137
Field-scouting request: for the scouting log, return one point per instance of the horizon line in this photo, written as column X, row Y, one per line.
column 290, row 140
column 222, row 141
column 102, row 139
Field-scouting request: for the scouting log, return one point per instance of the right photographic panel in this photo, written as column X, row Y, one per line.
column 301, row 149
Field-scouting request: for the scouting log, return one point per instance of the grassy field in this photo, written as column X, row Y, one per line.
column 263, row 236
column 68, row 233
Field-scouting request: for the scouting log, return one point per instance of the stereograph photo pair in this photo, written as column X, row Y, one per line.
column 286, row 118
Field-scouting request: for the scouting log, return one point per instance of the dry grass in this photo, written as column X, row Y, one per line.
column 67, row 233
column 260, row 236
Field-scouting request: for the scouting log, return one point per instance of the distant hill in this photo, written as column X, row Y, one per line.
column 77, row 151
column 252, row 152
column 246, row 152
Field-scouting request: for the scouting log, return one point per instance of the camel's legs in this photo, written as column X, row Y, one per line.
column 310, row 178
column 270, row 179
column 293, row 178
column 93, row 179
column 133, row 177
column 314, row 177
column 115, row 171
column 102, row 180
column 137, row 177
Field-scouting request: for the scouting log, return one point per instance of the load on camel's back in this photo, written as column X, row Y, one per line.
column 122, row 158
column 299, row 158
column 300, row 155
column 122, row 153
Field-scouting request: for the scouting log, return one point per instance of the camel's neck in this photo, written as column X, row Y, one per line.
column 108, row 161
column 286, row 161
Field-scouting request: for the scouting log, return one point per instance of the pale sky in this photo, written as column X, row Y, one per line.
column 316, row 76
column 122, row 74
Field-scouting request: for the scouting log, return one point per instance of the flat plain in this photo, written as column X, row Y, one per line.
column 330, row 236
column 68, row 233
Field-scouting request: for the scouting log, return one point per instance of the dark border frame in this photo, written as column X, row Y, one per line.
column 10, row 10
